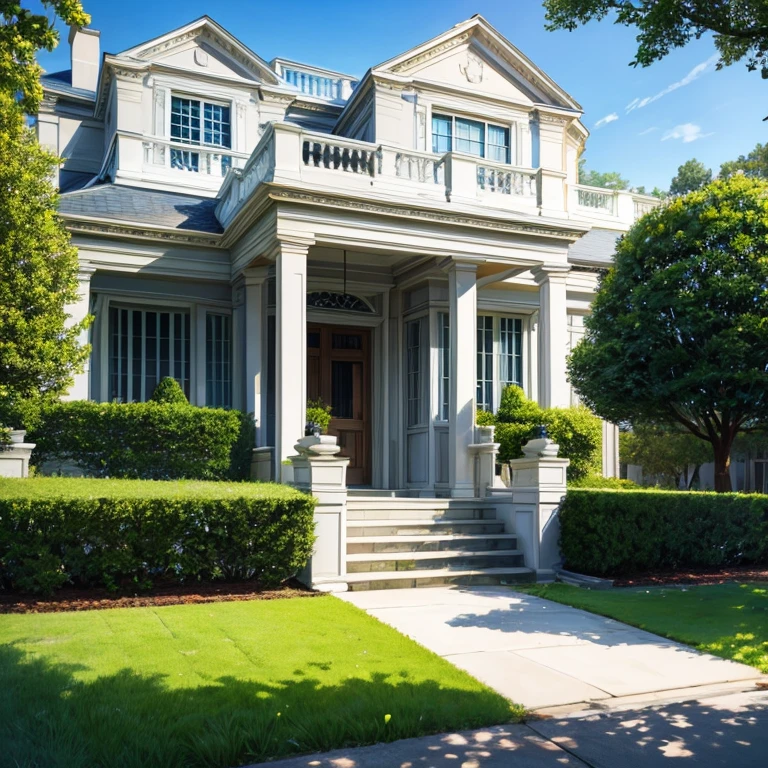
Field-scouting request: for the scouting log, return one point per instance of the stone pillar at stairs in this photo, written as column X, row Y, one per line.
column 317, row 469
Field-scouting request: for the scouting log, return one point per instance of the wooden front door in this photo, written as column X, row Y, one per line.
column 339, row 374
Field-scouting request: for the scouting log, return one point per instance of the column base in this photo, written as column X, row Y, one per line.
column 462, row 493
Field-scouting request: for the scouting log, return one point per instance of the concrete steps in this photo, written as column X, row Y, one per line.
column 399, row 542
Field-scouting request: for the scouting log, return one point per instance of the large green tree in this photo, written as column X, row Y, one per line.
column 22, row 35
column 754, row 165
column 607, row 180
column 740, row 26
column 691, row 175
column 679, row 332
column 39, row 349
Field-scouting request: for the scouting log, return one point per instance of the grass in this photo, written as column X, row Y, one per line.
column 727, row 620
column 220, row 685
column 78, row 487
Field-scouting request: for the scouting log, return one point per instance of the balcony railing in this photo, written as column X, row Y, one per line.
column 505, row 180
column 609, row 205
column 601, row 200
column 162, row 155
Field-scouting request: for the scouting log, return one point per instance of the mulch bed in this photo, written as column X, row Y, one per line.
column 94, row 599
column 694, row 577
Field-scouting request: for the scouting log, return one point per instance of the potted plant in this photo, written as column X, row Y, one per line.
column 318, row 418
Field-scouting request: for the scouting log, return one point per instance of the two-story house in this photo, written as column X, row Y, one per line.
column 402, row 245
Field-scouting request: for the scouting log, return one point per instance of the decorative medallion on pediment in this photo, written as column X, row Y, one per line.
column 473, row 69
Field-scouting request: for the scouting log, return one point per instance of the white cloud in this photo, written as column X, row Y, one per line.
column 648, row 130
column 694, row 74
column 688, row 132
column 607, row 119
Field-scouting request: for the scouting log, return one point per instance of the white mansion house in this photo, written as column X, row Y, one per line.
column 401, row 245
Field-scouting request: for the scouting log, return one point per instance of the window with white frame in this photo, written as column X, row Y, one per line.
column 203, row 123
column 413, row 373
column 218, row 360
column 472, row 137
column 444, row 364
column 499, row 358
column 146, row 345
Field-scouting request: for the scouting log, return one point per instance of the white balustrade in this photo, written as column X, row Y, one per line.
column 420, row 166
column 190, row 158
column 505, row 180
column 601, row 200
column 643, row 206
column 329, row 152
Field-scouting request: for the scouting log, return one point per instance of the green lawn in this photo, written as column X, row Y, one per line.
column 728, row 620
column 220, row 684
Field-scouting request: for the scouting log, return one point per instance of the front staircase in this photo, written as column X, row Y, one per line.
column 397, row 542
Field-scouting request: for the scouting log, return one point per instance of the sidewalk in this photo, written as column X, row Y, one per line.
column 542, row 654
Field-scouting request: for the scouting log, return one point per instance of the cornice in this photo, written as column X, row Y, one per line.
column 430, row 54
column 423, row 214
column 130, row 231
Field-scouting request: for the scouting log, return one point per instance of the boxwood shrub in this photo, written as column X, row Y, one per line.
column 153, row 440
column 619, row 532
column 130, row 534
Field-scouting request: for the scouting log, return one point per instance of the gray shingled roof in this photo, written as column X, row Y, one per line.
column 596, row 248
column 118, row 202
column 61, row 82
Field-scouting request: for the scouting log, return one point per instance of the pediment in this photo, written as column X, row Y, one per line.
column 474, row 55
column 204, row 46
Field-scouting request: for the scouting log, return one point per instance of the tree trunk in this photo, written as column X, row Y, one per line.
column 694, row 478
column 722, row 452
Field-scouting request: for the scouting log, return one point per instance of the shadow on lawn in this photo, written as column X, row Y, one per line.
column 49, row 719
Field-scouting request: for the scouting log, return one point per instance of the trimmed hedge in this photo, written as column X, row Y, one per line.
column 128, row 534
column 152, row 441
column 614, row 533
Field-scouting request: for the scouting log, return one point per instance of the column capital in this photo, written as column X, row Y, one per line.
column 255, row 275
column 550, row 273
column 293, row 246
column 453, row 263
column 85, row 273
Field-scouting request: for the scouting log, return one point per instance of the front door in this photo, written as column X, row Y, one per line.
column 338, row 373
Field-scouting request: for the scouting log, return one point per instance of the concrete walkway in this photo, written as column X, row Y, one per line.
column 726, row 731
column 542, row 654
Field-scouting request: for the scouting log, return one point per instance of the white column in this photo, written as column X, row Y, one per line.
column 290, row 352
column 553, row 338
column 611, row 464
column 462, row 299
column 255, row 381
column 81, row 382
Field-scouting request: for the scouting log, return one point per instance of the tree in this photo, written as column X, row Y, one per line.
column 39, row 350
column 22, row 35
column 754, row 165
column 664, row 453
column 655, row 192
column 740, row 26
column 609, row 180
column 691, row 175
column 678, row 333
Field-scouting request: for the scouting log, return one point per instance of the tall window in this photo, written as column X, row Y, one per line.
column 444, row 381
column 485, row 362
column 218, row 360
column 203, row 123
column 413, row 372
column 145, row 346
column 510, row 351
column 473, row 137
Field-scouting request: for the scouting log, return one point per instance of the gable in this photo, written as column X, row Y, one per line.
column 474, row 55
column 202, row 46
column 467, row 66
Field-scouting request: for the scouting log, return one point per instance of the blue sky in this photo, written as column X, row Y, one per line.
column 644, row 122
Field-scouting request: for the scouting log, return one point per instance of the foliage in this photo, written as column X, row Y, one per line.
column 38, row 275
column 319, row 414
column 22, row 35
column 691, row 175
column 754, row 165
column 740, row 28
column 677, row 333
column 604, row 532
column 169, row 391
column 728, row 620
column 127, row 534
column 222, row 684
column 609, row 180
column 655, row 192
column 154, row 441
column 598, row 481
column 664, row 453
column 577, row 431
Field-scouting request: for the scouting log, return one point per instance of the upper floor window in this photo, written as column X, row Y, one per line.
column 199, row 122
column 471, row 137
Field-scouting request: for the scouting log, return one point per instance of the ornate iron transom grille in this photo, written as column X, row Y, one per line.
column 332, row 300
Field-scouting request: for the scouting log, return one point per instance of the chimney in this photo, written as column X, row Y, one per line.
column 84, row 53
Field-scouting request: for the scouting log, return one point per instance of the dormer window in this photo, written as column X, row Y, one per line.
column 196, row 122
column 472, row 137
